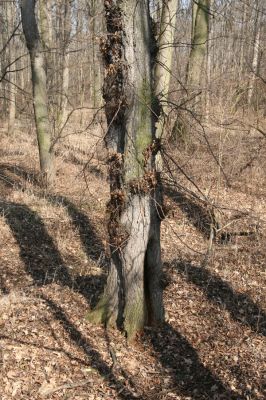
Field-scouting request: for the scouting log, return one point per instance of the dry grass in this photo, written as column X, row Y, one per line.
column 53, row 266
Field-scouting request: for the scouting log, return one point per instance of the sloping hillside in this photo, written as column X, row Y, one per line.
column 53, row 263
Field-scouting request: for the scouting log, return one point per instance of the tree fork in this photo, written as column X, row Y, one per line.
column 133, row 294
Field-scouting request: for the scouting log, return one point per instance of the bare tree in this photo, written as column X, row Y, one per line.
column 38, row 74
column 133, row 294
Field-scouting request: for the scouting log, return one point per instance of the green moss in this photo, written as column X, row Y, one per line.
column 101, row 314
column 143, row 133
column 135, row 318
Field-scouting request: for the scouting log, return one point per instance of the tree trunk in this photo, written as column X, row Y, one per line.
column 200, row 26
column 242, row 40
column 163, row 73
column 255, row 60
column 64, row 94
column 12, row 104
column 46, row 23
column 208, row 70
column 133, row 294
column 96, row 29
column 66, row 23
column 10, row 11
column 38, row 74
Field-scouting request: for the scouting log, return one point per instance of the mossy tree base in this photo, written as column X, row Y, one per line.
column 133, row 294
column 101, row 315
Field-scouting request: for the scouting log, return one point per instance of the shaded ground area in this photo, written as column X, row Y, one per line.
column 53, row 264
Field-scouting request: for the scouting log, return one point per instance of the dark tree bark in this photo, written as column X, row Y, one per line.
column 133, row 294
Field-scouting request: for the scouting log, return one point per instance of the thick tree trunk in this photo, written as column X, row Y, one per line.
column 133, row 294
column 200, row 24
column 38, row 72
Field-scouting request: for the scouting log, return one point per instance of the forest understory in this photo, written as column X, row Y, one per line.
column 53, row 265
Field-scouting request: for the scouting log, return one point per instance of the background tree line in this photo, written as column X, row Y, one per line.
column 232, row 74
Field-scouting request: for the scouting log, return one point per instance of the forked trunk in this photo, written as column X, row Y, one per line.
column 133, row 294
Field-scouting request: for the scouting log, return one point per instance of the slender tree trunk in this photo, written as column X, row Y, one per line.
column 46, row 23
column 242, row 40
column 255, row 60
column 163, row 66
column 12, row 103
column 64, row 93
column 208, row 68
column 200, row 24
column 66, row 23
column 195, row 7
column 12, row 75
column 38, row 74
column 133, row 294
column 97, row 8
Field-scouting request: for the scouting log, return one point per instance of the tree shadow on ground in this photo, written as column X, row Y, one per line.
column 19, row 172
column 37, row 249
column 56, row 349
column 40, row 255
column 94, row 357
column 201, row 218
column 89, row 238
column 189, row 376
column 45, row 265
column 241, row 308
column 3, row 289
column 71, row 158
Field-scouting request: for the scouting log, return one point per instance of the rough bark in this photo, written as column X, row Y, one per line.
column 200, row 26
column 38, row 75
column 133, row 294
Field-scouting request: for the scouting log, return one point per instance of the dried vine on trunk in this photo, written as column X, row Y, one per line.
column 133, row 294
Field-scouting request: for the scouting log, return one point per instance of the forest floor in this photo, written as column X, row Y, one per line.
column 53, row 262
